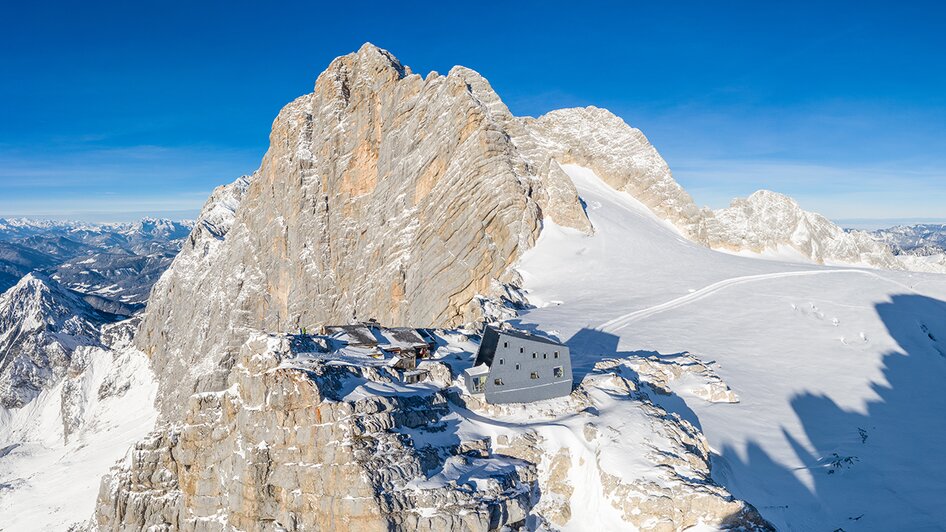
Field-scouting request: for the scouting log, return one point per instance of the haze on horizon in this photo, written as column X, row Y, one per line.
column 114, row 111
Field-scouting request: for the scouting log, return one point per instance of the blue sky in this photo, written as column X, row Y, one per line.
column 113, row 110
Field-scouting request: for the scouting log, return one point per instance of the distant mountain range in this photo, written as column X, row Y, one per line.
column 924, row 240
column 112, row 266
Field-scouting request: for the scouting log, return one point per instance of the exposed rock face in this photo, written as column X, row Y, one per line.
column 41, row 325
column 284, row 448
column 296, row 443
column 767, row 221
column 621, row 156
column 383, row 194
column 685, row 373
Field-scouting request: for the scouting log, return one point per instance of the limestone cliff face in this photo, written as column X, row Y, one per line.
column 284, row 448
column 391, row 196
column 621, row 156
column 383, row 195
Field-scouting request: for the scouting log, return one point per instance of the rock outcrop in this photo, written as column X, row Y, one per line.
column 383, row 195
column 621, row 156
column 286, row 448
column 298, row 443
column 768, row 221
column 41, row 325
column 609, row 445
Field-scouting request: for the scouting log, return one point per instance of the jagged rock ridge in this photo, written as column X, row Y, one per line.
column 768, row 220
column 383, row 195
column 41, row 325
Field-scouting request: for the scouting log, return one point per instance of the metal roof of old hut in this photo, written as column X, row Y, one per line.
column 352, row 334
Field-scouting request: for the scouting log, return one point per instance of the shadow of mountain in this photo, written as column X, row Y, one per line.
column 587, row 348
column 879, row 467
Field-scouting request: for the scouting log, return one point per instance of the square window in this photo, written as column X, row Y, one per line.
column 498, row 382
column 535, row 375
column 558, row 371
column 535, row 355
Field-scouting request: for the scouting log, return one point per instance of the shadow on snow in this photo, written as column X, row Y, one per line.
column 882, row 469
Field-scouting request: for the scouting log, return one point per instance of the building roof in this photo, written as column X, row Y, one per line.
column 481, row 369
column 352, row 334
column 403, row 336
column 526, row 336
column 428, row 335
column 490, row 342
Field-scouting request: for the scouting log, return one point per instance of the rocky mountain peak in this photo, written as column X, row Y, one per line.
column 41, row 324
column 38, row 297
column 621, row 156
column 407, row 199
column 368, row 68
column 382, row 195
column 770, row 199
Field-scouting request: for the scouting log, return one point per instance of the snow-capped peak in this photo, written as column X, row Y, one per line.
column 36, row 295
column 41, row 324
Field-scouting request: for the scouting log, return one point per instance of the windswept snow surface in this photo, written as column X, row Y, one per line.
column 839, row 371
column 49, row 481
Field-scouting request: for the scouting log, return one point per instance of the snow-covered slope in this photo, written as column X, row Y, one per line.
column 73, row 396
column 837, row 370
column 768, row 223
column 41, row 325
column 54, row 450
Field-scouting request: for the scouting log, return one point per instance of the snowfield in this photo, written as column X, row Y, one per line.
column 838, row 371
column 50, row 480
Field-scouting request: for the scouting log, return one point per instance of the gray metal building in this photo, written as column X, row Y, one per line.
column 516, row 367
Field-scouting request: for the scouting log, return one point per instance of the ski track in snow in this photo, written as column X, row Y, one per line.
column 810, row 393
column 620, row 322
